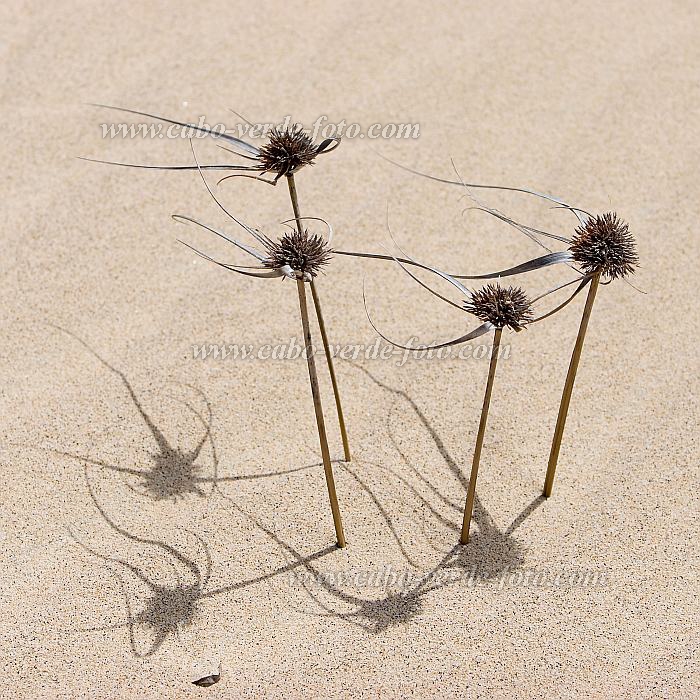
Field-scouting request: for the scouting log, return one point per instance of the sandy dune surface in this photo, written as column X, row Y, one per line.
column 164, row 516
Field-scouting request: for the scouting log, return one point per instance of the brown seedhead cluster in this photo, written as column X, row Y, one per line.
column 287, row 150
column 501, row 306
column 303, row 252
column 604, row 244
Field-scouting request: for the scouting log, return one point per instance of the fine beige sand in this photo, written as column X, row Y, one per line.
column 163, row 516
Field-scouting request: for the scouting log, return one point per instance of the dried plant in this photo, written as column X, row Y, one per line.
column 287, row 150
column 292, row 255
column 601, row 248
column 294, row 198
column 300, row 251
column 502, row 306
column 497, row 307
column 298, row 256
column 603, row 244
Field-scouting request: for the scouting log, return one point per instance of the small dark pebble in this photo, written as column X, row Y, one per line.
column 207, row 680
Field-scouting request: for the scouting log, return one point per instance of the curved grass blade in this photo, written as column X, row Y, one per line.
column 181, row 218
column 165, row 167
column 434, row 270
column 555, row 289
column 258, row 237
column 235, row 153
column 541, row 195
column 323, row 147
column 523, row 228
column 563, row 256
column 265, row 272
column 480, row 330
column 222, row 135
column 252, row 177
column 580, row 288
column 425, row 286
column 259, row 178
column 529, row 266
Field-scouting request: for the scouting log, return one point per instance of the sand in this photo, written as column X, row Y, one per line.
column 163, row 515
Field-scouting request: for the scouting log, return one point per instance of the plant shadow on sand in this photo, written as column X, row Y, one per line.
column 490, row 549
column 170, row 607
column 490, row 552
column 174, row 472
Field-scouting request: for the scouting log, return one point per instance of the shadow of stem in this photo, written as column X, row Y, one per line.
column 174, row 472
column 171, row 607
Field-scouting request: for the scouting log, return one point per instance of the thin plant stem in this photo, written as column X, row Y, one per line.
column 295, row 201
column 569, row 387
column 471, row 491
column 331, row 370
column 318, row 409
column 322, row 327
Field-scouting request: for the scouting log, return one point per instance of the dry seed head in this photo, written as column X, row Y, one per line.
column 303, row 252
column 501, row 306
column 604, row 244
column 287, row 150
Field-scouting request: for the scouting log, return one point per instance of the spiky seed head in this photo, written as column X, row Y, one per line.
column 303, row 252
column 604, row 244
column 287, row 150
column 502, row 306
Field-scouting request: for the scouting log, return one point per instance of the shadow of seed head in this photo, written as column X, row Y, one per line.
column 287, row 150
column 604, row 244
column 303, row 252
column 501, row 306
